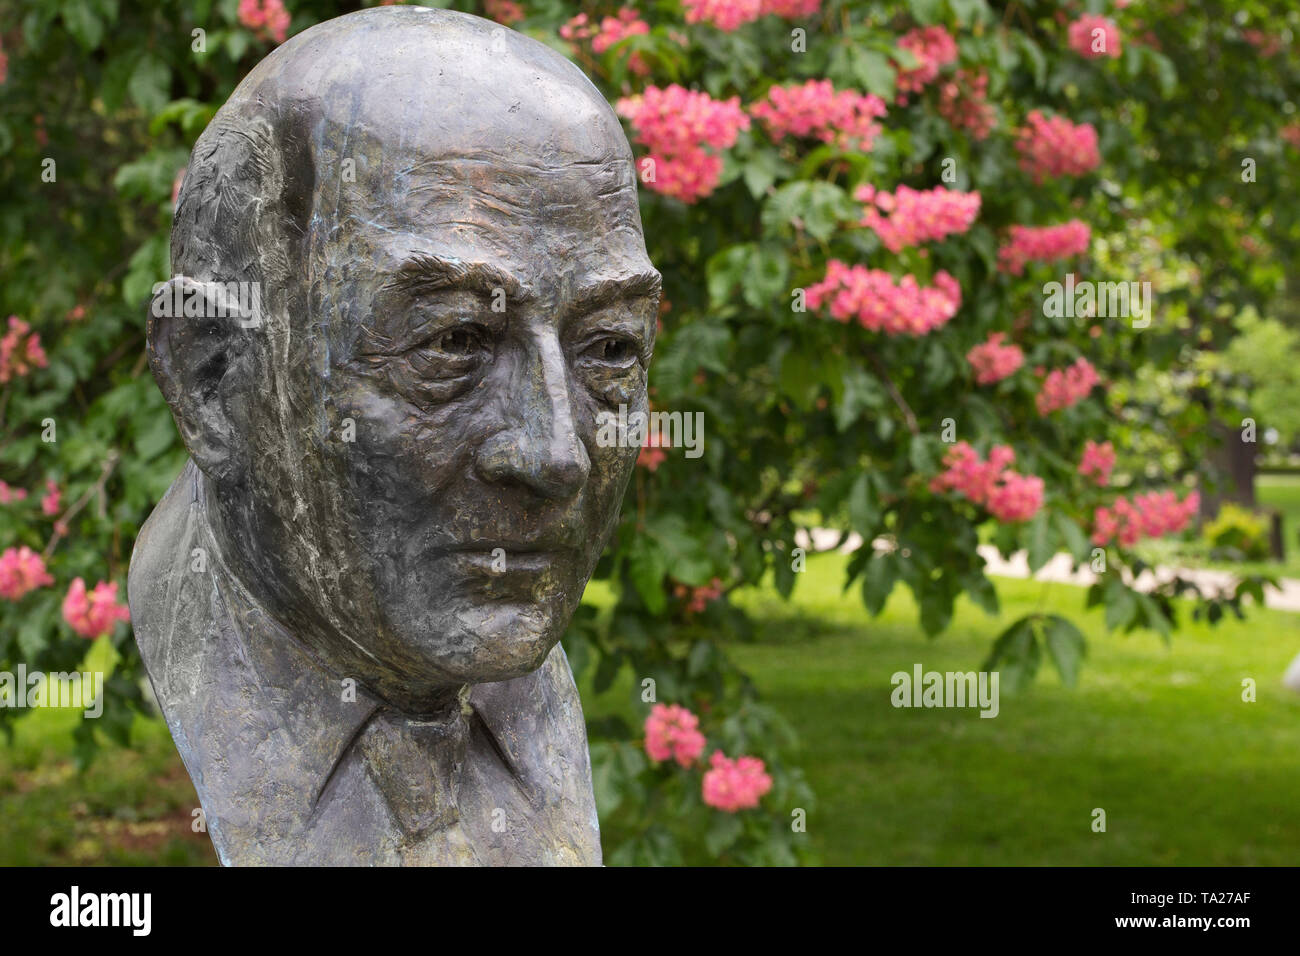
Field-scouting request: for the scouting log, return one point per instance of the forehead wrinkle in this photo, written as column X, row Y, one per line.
column 498, row 163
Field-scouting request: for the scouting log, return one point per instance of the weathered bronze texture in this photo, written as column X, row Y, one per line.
column 350, row 601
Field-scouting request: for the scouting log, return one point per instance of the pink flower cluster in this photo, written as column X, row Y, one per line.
column 880, row 303
column 726, row 15
column 1097, row 462
column 504, row 11
column 991, row 484
column 52, row 498
column 816, row 109
column 9, row 494
column 1054, row 146
column 93, row 614
column 1147, row 516
column 1065, row 387
column 732, row 785
column 652, row 453
column 268, row 17
column 994, row 361
column 963, row 102
column 672, row 731
column 1087, row 41
column 916, row 216
column 610, row 31
column 933, row 48
column 1268, row 44
column 701, row 596
column 20, row 350
column 21, row 570
column 791, row 9
column 1043, row 244
column 676, row 125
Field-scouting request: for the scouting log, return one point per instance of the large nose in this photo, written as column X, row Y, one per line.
column 541, row 449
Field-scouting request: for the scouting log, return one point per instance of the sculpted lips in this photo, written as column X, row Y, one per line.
column 501, row 558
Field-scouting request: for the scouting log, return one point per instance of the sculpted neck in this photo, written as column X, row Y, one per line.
column 244, row 555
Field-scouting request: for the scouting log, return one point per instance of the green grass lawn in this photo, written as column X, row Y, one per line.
column 1157, row 736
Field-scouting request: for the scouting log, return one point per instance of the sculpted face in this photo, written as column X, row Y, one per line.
column 420, row 495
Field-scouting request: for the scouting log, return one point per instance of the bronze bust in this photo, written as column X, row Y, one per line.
column 350, row 601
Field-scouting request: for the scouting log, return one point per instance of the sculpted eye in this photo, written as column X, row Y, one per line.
column 612, row 350
column 458, row 342
column 451, row 353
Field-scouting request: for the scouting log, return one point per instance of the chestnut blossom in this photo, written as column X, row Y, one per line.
column 21, row 570
column 20, row 351
column 1043, row 244
column 1065, row 387
column 732, row 785
column 916, row 216
column 815, row 109
column 1093, row 36
column 1007, row 495
column 267, row 18
column 677, row 125
column 672, row 732
column 1052, row 147
column 1097, row 462
column 881, row 303
column 994, row 361
column 1149, row 515
column 51, row 499
column 933, row 47
column 726, row 15
column 94, row 614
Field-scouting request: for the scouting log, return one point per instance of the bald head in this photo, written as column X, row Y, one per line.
column 407, row 99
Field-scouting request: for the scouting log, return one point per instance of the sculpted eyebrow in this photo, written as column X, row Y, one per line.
column 423, row 273
column 611, row 290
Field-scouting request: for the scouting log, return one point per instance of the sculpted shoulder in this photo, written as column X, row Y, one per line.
column 160, row 570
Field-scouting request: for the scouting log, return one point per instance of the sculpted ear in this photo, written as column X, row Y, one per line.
column 196, row 334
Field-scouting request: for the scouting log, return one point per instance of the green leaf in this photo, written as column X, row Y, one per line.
column 981, row 591
column 878, row 581
column 874, row 72
column 1152, row 615
column 1037, row 62
column 1042, row 542
column 936, row 610
column 83, row 23
column 725, row 270
column 1066, row 646
column 149, row 84
column 1076, row 542
column 647, row 564
column 725, row 830
column 687, row 560
column 761, row 170
column 767, row 276
column 861, row 392
column 1016, row 654
column 1121, row 605
column 864, row 514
